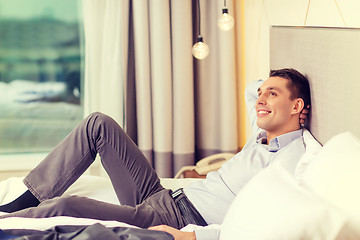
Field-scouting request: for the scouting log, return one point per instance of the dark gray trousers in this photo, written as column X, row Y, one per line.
column 144, row 202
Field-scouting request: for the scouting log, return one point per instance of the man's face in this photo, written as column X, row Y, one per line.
column 274, row 107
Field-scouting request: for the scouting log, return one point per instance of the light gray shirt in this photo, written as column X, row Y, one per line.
column 212, row 196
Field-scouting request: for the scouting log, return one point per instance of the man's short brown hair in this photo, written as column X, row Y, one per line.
column 298, row 84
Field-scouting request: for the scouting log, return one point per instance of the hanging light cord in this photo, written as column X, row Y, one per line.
column 342, row 17
column 224, row 3
column 307, row 12
column 198, row 17
column 337, row 6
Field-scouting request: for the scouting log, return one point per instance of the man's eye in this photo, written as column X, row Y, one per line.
column 273, row 94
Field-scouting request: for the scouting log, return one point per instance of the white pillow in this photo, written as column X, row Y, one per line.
column 334, row 174
column 273, row 206
column 312, row 147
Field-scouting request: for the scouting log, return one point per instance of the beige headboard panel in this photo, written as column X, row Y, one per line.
column 330, row 58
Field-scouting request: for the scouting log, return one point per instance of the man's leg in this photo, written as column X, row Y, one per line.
column 132, row 176
column 156, row 210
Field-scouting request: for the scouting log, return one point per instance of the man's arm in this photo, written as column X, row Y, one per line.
column 192, row 232
column 178, row 235
column 251, row 96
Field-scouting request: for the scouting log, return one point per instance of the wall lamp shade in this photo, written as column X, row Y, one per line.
column 200, row 50
column 226, row 21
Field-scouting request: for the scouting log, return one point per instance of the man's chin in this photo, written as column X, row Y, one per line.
column 261, row 125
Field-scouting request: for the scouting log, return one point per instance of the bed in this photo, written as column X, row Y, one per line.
column 321, row 202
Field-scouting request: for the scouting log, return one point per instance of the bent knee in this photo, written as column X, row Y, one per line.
column 98, row 115
column 102, row 118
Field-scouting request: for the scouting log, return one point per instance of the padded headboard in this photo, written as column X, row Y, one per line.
column 330, row 58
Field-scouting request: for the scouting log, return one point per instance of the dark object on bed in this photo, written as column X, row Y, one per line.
column 96, row 231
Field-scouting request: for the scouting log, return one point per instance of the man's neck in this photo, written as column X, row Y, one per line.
column 271, row 135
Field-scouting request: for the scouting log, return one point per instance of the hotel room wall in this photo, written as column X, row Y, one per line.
column 259, row 15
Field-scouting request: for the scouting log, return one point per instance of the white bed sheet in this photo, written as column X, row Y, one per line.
column 95, row 187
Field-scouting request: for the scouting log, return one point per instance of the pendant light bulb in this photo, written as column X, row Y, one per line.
column 200, row 50
column 226, row 21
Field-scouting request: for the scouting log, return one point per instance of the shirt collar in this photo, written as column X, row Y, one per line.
column 280, row 141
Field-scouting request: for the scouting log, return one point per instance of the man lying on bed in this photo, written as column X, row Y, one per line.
column 144, row 202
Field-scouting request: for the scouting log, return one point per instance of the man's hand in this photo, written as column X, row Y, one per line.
column 304, row 114
column 178, row 235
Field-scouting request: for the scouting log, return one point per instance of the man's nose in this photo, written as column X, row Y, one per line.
column 261, row 100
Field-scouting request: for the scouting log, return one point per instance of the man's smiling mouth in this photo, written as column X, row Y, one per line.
column 263, row 112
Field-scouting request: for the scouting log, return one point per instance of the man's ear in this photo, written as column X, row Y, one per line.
column 298, row 106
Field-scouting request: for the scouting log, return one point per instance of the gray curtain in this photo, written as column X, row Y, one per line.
column 176, row 108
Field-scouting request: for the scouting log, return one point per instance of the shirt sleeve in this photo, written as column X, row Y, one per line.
column 250, row 100
column 210, row 232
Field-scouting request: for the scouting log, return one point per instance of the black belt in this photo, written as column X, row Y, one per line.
column 187, row 209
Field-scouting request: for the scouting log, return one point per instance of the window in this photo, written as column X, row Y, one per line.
column 41, row 61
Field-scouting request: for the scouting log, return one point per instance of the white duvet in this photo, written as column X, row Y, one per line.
column 98, row 188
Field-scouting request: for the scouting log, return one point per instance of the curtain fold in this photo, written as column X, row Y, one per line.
column 143, row 77
column 106, row 31
column 183, row 84
column 216, row 96
column 161, row 85
column 186, row 109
